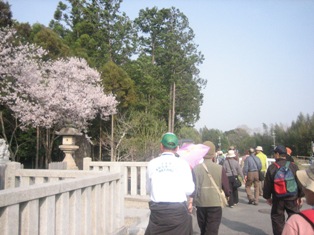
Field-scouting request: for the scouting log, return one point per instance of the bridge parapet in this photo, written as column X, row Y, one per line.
column 62, row 202
column 134, row 174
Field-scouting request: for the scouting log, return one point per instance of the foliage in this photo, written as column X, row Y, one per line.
column 118, row 82
column 108, row 41
column 168, row 41
column 96, row 30
column 150, row 90
column 142, row 133
column 5, row 14
column 49, row 94
column 189, row 133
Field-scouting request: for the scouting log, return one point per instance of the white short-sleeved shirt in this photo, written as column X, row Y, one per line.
column 169, row 179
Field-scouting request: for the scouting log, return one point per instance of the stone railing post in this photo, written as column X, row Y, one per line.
column 11, row 168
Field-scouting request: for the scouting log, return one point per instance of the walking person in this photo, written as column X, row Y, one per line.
column 252, row 165
column 263, row 158
column 281, row 203
column 206, row 198
column 303, row 223
column 220, row 157
column 169, row 182
column 233, row 171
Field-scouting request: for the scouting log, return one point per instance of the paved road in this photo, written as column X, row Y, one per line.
column 242, row 219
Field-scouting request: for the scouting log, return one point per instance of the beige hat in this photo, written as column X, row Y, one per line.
column 231, row 153
column 306, row 177
column 212, row 149
column 259, row 148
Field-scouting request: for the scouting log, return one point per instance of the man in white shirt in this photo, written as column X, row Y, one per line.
column 169, row 182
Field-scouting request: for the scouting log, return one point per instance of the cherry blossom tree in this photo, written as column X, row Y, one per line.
column 49, row 94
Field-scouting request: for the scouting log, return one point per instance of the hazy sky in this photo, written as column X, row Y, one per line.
column 259, row 55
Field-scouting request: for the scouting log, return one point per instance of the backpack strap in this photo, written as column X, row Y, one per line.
column 308, row 215
column 276, row 164
column 287, row 164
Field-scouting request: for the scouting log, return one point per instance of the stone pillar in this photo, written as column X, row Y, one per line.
column 68, row 146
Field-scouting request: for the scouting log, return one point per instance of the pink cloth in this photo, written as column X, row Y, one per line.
column 297, row 225
column 193, row 153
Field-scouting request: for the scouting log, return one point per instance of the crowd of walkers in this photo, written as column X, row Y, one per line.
column 177, row 189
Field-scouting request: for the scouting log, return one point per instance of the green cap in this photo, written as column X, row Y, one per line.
column 169, row 140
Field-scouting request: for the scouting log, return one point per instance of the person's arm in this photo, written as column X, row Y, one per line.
column 191, row 198
column 267, row 191
column 245, row 170
column 187, row 178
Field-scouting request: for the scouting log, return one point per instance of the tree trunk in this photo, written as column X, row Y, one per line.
column 112, row 140
column 37, row 147
column 100, row 131
column 173, row 106
column 172, row 102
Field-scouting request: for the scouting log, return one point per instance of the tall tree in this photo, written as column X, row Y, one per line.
column 98, row 28
column 168, row 40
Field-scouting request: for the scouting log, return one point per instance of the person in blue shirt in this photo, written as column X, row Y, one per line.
column 252, row 166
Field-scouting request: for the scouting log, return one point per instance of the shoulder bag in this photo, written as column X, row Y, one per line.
column 236, row 182
column 222, row 196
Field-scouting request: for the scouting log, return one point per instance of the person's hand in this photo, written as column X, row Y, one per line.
column 269, row 201
column 245, row 179
column 190, row 208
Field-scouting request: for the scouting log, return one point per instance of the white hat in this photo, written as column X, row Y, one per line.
column 259, row 148
column 306, row 177
column 219, row 152
column 231, row 153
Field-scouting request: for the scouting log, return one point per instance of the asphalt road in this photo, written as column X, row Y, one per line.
column 241, row 219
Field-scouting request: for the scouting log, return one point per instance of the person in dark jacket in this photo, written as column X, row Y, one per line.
column 252, row 165
column 279, row 204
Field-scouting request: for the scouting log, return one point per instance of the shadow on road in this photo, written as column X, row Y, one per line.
column 241, row 227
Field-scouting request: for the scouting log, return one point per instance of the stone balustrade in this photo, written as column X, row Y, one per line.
column 134, row 174
column 62, row 202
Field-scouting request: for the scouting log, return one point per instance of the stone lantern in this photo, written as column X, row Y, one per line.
column 68, row 145
column 4, row 152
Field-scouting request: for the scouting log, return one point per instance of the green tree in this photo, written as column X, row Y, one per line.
column 149, row 89
column 190, row 133
column 141, row 134
column 5, row 14
column 118, row 82
column 168, row 40
column 96, row 30
column 241, row 139
column 300, row 135
column 50, row 41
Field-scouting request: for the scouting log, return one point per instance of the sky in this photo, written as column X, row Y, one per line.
column 259, row 56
